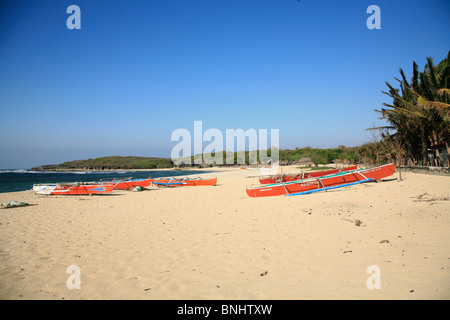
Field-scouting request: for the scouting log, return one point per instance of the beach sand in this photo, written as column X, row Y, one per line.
column 218, row 243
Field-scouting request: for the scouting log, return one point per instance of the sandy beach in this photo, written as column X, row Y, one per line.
column 218, row 243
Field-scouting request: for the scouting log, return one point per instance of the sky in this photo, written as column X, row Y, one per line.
column 138, row 70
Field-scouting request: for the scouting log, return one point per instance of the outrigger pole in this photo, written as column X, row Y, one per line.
column 328, row 188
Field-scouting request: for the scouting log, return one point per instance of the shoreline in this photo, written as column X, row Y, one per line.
column 25, row 184
column 182, row 168
column 111, row 170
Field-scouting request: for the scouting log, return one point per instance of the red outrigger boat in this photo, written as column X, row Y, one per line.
column 72, row 189
column 179, row 182
column 316, row 183
column 130, row 183
column 83, row 188
column 303, row 175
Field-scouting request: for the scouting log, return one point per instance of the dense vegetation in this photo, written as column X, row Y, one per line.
column 298, row 156
column 111, row 163
column 418, row 117
column 320, row 156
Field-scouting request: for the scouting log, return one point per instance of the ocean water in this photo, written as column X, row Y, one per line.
column 21, row 180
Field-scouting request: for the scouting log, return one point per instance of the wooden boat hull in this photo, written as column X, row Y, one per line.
column 173, row 182
column 73, row 189
column 321, row 182
column 305, row 175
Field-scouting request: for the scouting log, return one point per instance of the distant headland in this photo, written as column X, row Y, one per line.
column 109, row 163
column 298, row 156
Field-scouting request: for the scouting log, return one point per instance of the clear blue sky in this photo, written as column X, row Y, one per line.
column 137, row 70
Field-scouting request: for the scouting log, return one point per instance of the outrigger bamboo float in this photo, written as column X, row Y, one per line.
column 317, row 183
column 304, row 175
column 72, row 189
column 180, row 182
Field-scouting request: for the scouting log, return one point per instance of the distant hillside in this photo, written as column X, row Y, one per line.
column 287, row 157
column 110, row 163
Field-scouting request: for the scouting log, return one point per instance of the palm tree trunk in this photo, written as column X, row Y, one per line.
column 446, row 158
column 424, row 150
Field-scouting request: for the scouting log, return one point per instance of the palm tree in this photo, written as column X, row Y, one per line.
column 420, row 109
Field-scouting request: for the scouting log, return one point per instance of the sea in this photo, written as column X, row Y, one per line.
column 22, row 180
